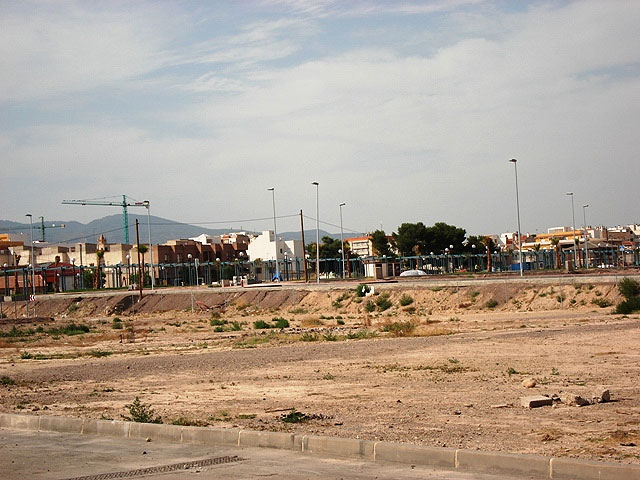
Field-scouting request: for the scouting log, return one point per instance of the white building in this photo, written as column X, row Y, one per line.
column 264, row 247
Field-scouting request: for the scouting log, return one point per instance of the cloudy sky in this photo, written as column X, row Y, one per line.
column 405, row 110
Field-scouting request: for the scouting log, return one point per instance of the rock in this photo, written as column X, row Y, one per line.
column 535, row 401
column 605, row 396
column 578, row 400
column 529, row 382
column 501, row 405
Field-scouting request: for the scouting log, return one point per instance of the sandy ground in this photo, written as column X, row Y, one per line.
column 454, row 380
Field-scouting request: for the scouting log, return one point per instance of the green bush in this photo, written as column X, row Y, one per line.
column 602, row 302
column 406, row 300
column 261, row 325
column 629, row 288
column 4, row 380
column 369, row 306
column 294, row 417
column 141, row 413
column 491, row 303
column 383, row 302
column 116, row 324
column 629, row 306
column 280, row 322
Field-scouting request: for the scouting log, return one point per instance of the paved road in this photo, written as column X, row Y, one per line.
column 56, row 456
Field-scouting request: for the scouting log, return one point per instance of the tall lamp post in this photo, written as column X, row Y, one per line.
column 275, row 230
column 515, row 169
column 342, row 239
column 147, row 205
column 586, row 245
column 575, row 247
column 317, row 234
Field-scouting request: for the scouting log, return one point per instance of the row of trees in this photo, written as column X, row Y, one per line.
column 411, row 239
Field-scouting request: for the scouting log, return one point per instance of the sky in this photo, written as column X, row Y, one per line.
column 406, row 111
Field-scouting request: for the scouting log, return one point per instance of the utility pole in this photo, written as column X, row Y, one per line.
column 304, row 252
column 140, row 273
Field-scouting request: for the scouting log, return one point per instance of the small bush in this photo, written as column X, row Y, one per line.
column 100, row 353
column 512, row 371
column 330, row 337
column 141, row 413
column 491, row 303
column 217, row 322
column 400, row 329
column 309, row 337
column 405, row 300
column 369, row 306
column 383, row 303
column 116, row 324
column 340, row 321
column 602, row 302
column 26, row 355
column 629, row 288
column 280, row 322
column 4, row 380
column 261, row 325
column 294, row 417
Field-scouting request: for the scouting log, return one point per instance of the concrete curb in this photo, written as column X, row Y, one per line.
column 530, row 466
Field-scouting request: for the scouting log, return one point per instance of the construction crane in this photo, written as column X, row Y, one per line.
column 124, row 204
column 43, row 227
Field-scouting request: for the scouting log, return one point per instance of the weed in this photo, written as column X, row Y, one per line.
column 340, row 321
column 217, row 322
column 309, row 337
column 406, row 300
column 330, row 337
column 628, row 306
column 410, row 310
column 298, row 310
column 141, row 413
column 512, row 371
column 4, row 380
column 328, row 376
column 215, row 315
column 554, row 371
column 361, row 335
column 597, row 293
column 454, row 360
column 454, row 319
column 369, row 306
column 383, row 303
column 246, row 416
column 602, row 302
column 474, row 294
column 261, row 325
column 252, row 342
column 116, row 324
column 400, row 329
column 560, row 298
column 294, row 417
column 436, row 289
column 100, row 353
column 26, row 355
column 73, row 308
column 491, row 303
column 187, row 422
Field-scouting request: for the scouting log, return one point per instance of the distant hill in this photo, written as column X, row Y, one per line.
column 162, row 230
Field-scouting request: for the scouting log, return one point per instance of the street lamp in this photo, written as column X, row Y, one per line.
column 342, row 239
column 189, row 257
column 5, row 265
column 128, row 257
column 275, row 230
column 73, row 262
column 515, row 169
column 586, row 245
column 147, row 205
column 573, row 216
column 317, row 234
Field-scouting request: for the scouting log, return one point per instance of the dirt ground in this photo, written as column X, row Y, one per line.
column 440, row 366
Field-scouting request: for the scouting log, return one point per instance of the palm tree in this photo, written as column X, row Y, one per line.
column 143, row 249
column 536, row 248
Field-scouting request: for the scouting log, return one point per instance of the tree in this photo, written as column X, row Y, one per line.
column 330, row 247
column 380, row 244
column 556, row 245
column 441, row 235
column 411, row 239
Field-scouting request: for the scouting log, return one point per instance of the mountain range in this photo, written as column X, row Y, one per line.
column 162, row 230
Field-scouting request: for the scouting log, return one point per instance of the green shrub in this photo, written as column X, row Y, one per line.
column 4, row 380
column 217, row 322
column 405, row 300
column 141, row 413
column 280, row 322
column 340, row 321
column 383, row 302
column 629, row 288
column 261, row 325
column 602, row 302
column 491, row 303
column 294, row 417
column 628, row 306
column 309, row 337
column 116, row 324
column 369, row 306
column 362, row 290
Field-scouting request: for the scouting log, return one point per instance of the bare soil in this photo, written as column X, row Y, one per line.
column 453, row 378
